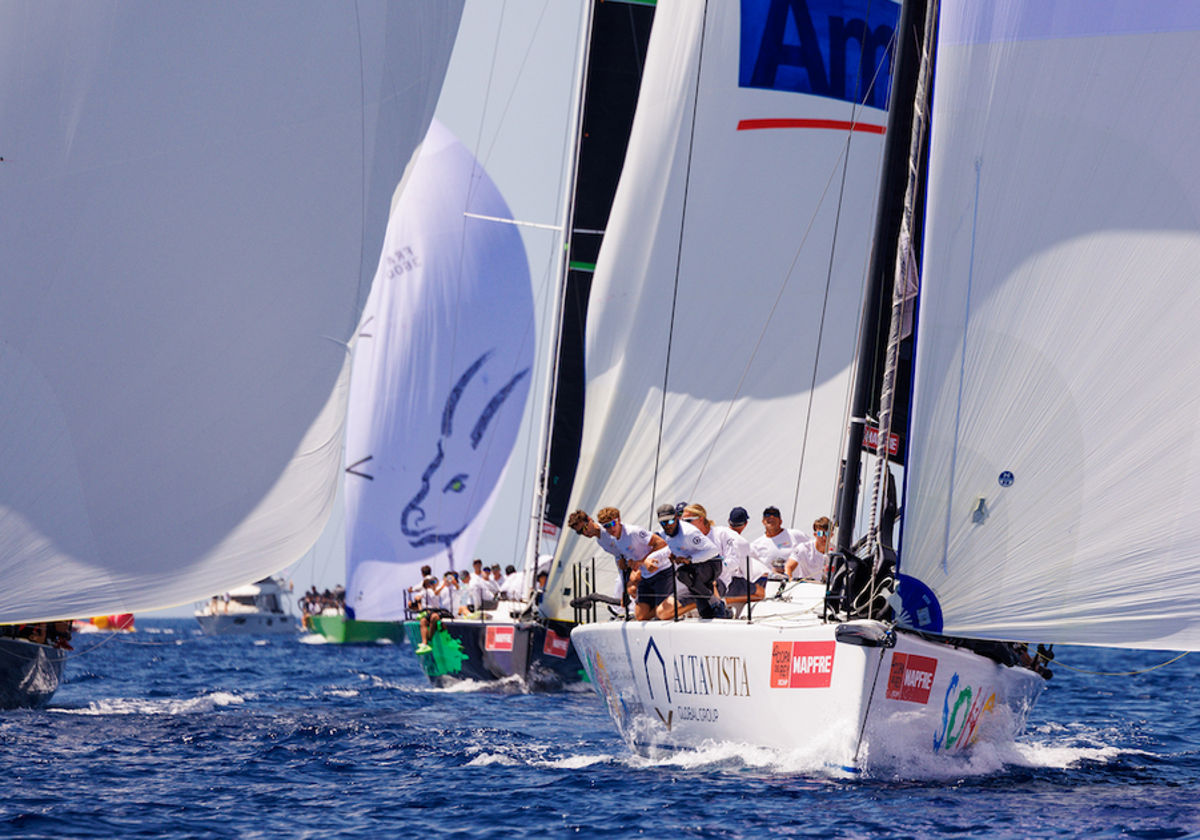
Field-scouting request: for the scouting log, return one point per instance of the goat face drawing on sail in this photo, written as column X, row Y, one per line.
column 448, row 497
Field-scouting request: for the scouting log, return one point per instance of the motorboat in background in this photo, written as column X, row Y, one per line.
column 260, row 608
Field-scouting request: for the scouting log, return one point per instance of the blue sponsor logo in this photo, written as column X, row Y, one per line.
column 836, row 48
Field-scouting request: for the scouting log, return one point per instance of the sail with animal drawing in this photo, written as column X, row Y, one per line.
column 441, row 375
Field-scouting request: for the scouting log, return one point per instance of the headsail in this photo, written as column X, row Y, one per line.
column 718, row 346
column 441, row 375
column 1053, row 468
column 191, row 204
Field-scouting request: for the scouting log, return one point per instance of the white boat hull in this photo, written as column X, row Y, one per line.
column 796, row 687
column 247, row 624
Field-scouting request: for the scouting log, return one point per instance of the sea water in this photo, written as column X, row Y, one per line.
column 167, row 733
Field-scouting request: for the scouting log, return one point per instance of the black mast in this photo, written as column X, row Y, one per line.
column 880, row 280
column 620, row 34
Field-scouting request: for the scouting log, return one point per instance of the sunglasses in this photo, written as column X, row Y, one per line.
column 610, row 524
column 690, row 518
column 821, row 533
column 666, row 522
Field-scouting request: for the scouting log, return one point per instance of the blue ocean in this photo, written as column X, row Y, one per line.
column 167, row 733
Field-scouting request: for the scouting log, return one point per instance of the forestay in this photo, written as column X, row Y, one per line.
column 192, row 201
column 1053, row 475
column 722, row 316
column 441, row 376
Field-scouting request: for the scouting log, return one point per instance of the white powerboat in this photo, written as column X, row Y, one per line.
column 255, row 609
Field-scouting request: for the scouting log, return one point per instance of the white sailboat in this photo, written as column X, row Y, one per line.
column 192, row 202
column 932, row 677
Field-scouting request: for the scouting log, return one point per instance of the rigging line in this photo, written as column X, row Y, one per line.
column 812, row 384
column 362, row 173
column 530, row 428
column 862, row 732
column 767, row 322
column 1060, row 664
column 837, row 164
column 962, row 370
column 75, row 654
column 520, row 71
column 837, row 221
column 843, row 163
column 687, row 181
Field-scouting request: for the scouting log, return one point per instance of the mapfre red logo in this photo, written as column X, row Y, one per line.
column 499, row 638
column 802, row 664
column 911, row 677
column 556, row 645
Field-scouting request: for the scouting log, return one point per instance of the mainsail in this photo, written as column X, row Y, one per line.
column 1053, row 467
column 718, row 350
column 441, row 375
column 192, row 199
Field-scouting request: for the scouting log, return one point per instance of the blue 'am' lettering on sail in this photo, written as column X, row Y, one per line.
column 827, row 48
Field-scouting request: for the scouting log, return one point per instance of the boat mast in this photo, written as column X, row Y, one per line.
column 538, row 514
column 894, row 184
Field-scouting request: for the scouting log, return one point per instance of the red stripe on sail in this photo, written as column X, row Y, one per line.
column 840, row 125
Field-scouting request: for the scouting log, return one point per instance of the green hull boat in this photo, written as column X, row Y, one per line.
column 344, row 631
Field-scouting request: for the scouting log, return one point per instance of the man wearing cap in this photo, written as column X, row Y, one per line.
column 735, row 578
column 639, row 555
column 774, row 548
column 697, row 561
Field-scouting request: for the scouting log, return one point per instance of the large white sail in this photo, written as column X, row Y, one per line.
column 720, row 327
column 192, row 201
column 441, row 375
column 1054, row 468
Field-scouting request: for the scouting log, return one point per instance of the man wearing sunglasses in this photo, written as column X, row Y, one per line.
column 697, row 560
column 807, row 560
column 637, row 551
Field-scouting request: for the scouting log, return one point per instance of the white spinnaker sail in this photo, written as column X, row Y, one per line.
column 1056, row 366
column 192, row 201
column 442, row 370
column 730, row 277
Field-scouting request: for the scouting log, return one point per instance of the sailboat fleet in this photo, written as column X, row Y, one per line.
column 919, row 269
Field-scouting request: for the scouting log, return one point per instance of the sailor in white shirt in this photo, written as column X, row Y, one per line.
column 735, row 551
column 638, row 553
column 759, row 572
column 808, row 560
column 697, row 562
column 448, row 594
column 512, row 588
column 774, row 548
column 469, row 596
